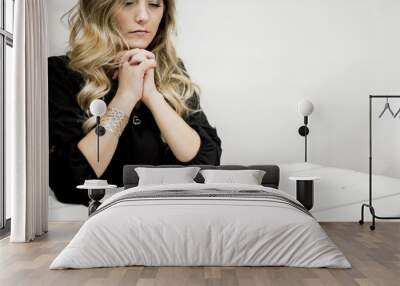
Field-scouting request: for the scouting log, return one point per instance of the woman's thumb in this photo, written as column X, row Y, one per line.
column 149, row 73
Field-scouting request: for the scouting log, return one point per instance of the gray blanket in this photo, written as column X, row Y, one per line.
column 205, row 194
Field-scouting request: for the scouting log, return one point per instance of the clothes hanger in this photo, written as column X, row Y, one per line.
column 397, row 113
column 387, row 107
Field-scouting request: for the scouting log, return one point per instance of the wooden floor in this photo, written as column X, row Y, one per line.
column 375, row 257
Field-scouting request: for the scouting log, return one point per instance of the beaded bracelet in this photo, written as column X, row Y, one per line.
column 112, row 121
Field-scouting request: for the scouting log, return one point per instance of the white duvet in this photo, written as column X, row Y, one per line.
column 200, row 231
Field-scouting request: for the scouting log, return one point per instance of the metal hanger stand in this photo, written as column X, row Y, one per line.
column 371, row 208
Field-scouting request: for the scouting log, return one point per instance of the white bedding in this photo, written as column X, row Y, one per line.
column 199, row 231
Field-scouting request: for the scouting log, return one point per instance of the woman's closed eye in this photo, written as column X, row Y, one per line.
column 156, row 3
column 151, row 3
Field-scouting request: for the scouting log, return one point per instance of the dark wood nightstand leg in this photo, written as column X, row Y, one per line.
column 305, row 193
column 95, row 197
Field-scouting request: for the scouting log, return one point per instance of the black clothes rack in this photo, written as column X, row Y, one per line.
column 370, row 206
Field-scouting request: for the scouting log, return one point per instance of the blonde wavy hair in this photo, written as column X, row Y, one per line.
column 95, row 42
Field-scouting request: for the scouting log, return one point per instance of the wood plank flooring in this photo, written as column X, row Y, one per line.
column 375, row 257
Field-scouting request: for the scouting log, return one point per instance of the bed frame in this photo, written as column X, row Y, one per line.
column 270, row 179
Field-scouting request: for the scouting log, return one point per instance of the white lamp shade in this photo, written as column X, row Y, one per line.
column 305, row 107
column 98, row 107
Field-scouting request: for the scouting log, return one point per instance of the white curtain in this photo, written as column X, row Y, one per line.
column 27, row 144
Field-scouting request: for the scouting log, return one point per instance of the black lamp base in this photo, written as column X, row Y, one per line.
column 303, row 130
column 100, row 130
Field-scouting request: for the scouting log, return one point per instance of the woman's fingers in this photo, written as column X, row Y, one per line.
column 149, row 54
column 137, row 59
column 131, row 53
column 126, row 55
column 133, row 57
column 148, row 64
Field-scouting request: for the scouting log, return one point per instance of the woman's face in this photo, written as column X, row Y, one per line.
column 143, row 15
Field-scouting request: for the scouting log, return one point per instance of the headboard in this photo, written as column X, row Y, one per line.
column 270, row 179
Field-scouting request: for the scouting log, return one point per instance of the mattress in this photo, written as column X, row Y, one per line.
column 201, row 225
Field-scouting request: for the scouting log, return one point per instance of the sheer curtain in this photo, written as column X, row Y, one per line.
column 27, row 124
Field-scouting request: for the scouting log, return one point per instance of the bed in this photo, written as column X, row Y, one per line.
column 201, row 224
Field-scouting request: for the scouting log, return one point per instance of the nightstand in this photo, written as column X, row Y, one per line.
column 305, row 190
column 95, row 194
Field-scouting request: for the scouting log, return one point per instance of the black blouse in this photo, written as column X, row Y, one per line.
column 138, row 144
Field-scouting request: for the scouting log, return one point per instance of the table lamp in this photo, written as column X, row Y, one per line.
column 305, row 108
column 98, row 108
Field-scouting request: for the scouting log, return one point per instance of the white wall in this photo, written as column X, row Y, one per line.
column 256, row 59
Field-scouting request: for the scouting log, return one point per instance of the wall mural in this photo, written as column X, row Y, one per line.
column 121, row 52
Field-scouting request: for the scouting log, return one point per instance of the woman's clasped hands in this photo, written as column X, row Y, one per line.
column 136, row 75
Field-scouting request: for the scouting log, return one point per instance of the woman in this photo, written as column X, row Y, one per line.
column 121, row 52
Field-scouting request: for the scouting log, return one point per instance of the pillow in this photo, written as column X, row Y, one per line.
column 249, row 177
column 162, row 176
